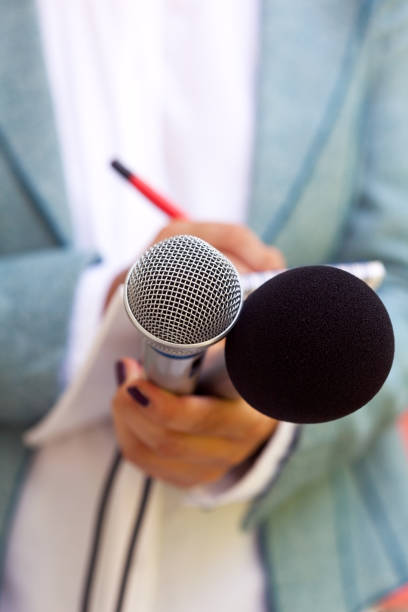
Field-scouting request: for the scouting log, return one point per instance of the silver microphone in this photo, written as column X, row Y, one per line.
column 371, row 272
column 183, row 295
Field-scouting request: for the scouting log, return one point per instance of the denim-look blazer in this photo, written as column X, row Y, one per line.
column 329, row 183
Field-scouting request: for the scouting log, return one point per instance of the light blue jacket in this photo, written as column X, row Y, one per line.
column 330, row 182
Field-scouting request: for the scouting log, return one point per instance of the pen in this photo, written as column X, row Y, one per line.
column 371, row 272
column 170, row 209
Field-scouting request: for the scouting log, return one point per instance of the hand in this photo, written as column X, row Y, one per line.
column 184, row 440
column 237, row 242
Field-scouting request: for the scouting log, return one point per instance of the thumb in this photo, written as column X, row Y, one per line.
column 127, row 369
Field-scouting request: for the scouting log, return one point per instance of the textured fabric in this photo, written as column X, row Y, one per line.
column 14, row 459
column 30, row 168
column 35, row 300
column 329, row 182
column 38, row 270
column 339, row 543
column 334, row 525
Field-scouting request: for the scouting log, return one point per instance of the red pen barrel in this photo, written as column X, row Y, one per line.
column 170, row 209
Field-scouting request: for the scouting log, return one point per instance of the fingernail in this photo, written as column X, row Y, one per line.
column 120, row 372
column 138, row 396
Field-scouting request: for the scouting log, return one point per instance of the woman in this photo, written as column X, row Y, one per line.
column 323, row 151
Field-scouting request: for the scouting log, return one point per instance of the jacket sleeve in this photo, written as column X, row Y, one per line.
column 377, row 228
column 36, row 294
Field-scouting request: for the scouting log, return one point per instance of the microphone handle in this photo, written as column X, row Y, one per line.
column 204, row 373
column 178, row 374
column 214, row 378
column 371, row 272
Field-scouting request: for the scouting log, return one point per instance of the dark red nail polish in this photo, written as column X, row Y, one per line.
column 138, row 396
column 120, row 372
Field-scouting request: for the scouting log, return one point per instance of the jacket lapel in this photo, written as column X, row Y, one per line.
column 28, row 139
column 308, row 51
column 307, row 55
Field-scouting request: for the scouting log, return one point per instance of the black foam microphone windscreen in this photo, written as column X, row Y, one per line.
column 313, row 344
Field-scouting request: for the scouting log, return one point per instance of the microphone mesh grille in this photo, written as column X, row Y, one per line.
column 184, row 291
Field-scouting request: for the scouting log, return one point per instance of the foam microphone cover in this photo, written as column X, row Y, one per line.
column 312, row 344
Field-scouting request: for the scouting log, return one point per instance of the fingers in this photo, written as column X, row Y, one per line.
column 185, row 440
column 236, row 241
column 171, row 444
column 189, row 414
column 174, row 471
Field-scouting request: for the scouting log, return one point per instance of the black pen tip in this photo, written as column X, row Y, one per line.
column 121, row 168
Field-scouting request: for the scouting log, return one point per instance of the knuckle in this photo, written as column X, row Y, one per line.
column 258, row 430
column 196, row 426
column 181, row 483
column 186, row 413
column 225, row 463
column 237, row 455
column 161, row 445
column 237, row 233
column 212, row 476
column 162, row 413
column 132, row 453
column 198, row 415
column 167, row 446
column 188, row 480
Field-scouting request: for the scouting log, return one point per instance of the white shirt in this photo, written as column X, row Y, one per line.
column 168, row 87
